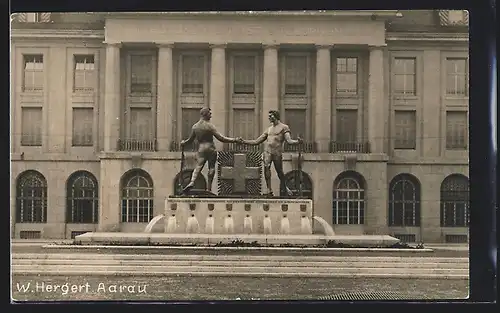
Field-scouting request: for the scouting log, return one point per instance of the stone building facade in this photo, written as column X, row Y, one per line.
column 100, row 102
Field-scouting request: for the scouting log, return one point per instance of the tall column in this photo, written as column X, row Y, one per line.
column 323, row 107
column 270, row 92
column 112, row 97
column 165, row 99
column 218, row 89
column 376, row 99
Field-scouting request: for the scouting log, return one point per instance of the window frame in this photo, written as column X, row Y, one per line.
column 344, row 101
column 24, row 98
column 466, row 130
column 360, row 200
column 443, row 202
column 43, row 198
column 139, row 100
column 84, row 99
column 125, row 180
column 24, row 70
column 93, row 86
column 92, row 143
column 36, row 144
column 295, row 101
column 395, row 130
column 446, row 55
column 190, row 101
column 416, row 202
column 71, row 198
column 415, row 77
column 245, row 101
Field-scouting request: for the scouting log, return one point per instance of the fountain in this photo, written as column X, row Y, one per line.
column 201, row 217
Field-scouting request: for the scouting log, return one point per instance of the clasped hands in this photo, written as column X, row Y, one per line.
column 239, row 140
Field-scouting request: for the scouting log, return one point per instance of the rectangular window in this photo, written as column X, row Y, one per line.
column 347, row 125
column 244, row 123
column 33, row 73
column 405, row 130
column 85, row 73
column 83, row 127
column 244, row 75
column 141, row 69
column 31, row 123
column 457, row 77
column 189, row 118
column 295, row 75
column 296, row 120
column 405, row 76
column 456, row 130
column 141, row 124
column 347, row 75
column 193, row 73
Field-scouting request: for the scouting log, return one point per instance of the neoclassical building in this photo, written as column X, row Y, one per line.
column 100, row 102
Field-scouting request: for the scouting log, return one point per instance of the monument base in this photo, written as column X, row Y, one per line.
column 159, row 239
column 237, row 215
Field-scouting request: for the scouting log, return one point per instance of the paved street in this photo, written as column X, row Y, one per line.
column 34, row 287
column 228, row 288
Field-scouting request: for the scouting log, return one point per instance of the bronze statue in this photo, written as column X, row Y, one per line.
column 275, row 135
column 204, row 131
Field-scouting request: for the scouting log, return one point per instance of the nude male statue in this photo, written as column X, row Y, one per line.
column 275, row 135
column 204, row 132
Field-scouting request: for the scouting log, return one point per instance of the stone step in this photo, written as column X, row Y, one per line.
column 236, row 270
column 99, row 272
column 249, row 263
column 234, row 258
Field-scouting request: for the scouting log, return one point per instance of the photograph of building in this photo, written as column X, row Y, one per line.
column 101, row 101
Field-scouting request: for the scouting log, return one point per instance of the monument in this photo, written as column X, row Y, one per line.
column 239, row 211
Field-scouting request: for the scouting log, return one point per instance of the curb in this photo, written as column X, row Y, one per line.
column 237, row 274
column 191, row 248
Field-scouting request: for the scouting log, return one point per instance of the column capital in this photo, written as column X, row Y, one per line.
column 327, row 47
column 218, row 45
column 377, row 47
column 165, row 44
column 113, row 44
column 270, row 46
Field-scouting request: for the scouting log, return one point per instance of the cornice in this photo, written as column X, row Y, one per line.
column 420, row 36
column 306, row 13
column 56, row 34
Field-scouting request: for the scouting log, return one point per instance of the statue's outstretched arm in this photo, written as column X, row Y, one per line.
column 190, row 139
column 223, row 138
column 257, row 141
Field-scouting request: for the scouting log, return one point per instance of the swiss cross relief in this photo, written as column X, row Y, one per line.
column 239, row 173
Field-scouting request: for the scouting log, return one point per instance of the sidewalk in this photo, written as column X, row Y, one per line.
column 43, row 242
column 448, row 246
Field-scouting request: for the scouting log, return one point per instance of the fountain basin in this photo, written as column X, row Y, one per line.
column 238, row 216
column 124, row 239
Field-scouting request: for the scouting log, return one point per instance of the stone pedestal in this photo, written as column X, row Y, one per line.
column 238, row 216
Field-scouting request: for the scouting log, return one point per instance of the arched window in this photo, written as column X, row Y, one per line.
column 31, row 198
column 137, row 197
column 455, row 201
column 294, row 179
column 404, row 201
column 349, row 199
column 184, row 177
column 82, row 198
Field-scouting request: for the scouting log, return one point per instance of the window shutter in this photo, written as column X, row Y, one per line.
column 244, row 123
column 141, row 121
column 296, row 121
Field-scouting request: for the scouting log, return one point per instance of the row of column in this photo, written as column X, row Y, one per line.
column 322, row 106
